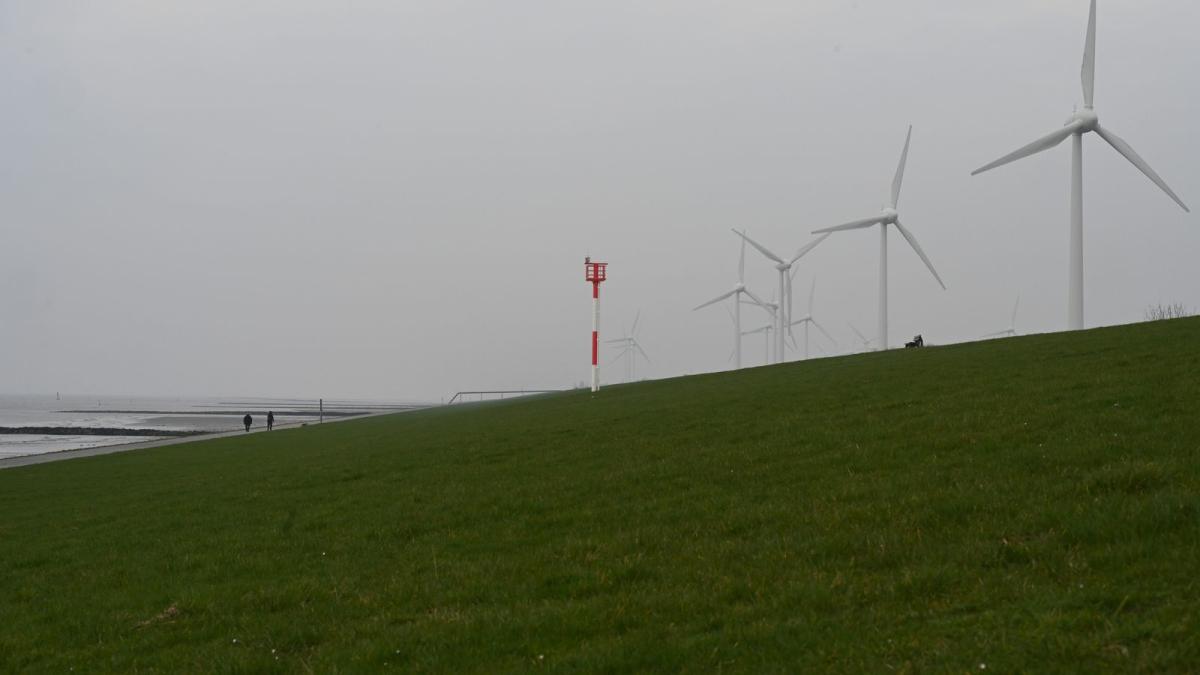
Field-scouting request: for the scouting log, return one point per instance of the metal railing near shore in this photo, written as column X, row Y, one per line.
column 499, row 392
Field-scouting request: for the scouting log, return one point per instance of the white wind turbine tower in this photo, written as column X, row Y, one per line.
column 889, row 216
column 783, row 315
column 808, row 319
column 1081, row 123
column 630, row 349
column 738, row 290
column 1012, row 325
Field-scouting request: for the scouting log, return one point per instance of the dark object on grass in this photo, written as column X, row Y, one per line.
column 917, row 342
column 247, row 420
column 270, row 420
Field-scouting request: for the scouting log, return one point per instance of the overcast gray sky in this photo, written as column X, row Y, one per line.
column 394, row 199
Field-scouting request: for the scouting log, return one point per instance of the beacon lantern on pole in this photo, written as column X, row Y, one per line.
column 596, row 273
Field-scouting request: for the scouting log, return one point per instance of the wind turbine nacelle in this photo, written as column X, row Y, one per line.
column 891, row 214
column 1087, row 118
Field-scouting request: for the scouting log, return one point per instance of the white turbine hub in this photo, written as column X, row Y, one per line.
column 1088, row 119
column 892, row 215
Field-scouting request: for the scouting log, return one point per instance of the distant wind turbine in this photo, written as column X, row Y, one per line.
column 1079, row 124
column 1012, row 325
column 766, row 331
column 889, row 216
column 783, row 318
column 866, row 341
column 772, row 309
column 630, row 349
column 739, row 289
column 808, row 319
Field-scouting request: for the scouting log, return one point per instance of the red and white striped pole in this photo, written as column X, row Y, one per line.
column 596, row 273
column 595, row 336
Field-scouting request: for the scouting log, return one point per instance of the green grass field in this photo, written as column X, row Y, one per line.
column 1030, row 504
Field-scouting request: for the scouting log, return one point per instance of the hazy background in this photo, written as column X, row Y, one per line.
column 394, row 199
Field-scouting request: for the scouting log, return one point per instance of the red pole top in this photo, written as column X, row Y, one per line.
column 596, row 272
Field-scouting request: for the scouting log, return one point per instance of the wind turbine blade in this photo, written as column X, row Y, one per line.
column 714, row 300
column 636, row 318
column 618, row 357
column 825, row 332
column 742, row 264
column 613, row 342
column 856, row 332
column 1088, row 71
column 760, row 248
column 912, row 241
column 854, row 225
column 803, row 251
column 1046, row 142
column 1136, row 159
column 757, row 300
column 642, row 351
column 899, row 179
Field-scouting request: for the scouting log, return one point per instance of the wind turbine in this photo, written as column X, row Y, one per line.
column 738, row 290
column 1079, row 124
column 889, row 216
column 766, row 330
column 783, row 317
column 866, row 341
column 772, row 309
column 630, row 349
column 808, row 319
column 1012, row 325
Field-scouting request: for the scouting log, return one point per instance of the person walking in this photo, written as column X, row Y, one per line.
column 270, row 420
column 247, row 420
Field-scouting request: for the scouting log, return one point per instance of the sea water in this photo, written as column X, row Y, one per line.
column 123, row 412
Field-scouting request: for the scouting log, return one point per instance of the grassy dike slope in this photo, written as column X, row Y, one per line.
column 1026, row 504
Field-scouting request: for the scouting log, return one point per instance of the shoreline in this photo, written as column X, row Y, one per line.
column 63, row 455
column 95, row 431
column 223, row 413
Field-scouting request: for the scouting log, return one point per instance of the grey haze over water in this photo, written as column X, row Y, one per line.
column 67, row 413
column 393, row 199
